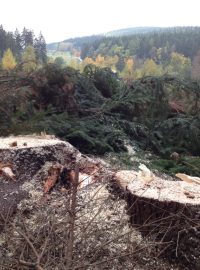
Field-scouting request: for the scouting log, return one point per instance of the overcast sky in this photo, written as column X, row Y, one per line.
column 61, row 19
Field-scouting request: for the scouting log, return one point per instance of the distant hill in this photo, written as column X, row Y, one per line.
column 52, row 46
column 133, row 31
column 79, row 41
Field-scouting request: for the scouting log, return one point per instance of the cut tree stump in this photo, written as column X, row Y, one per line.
column 167, row 210
column 26, row 156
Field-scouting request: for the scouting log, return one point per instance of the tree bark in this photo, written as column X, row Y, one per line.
column 166, row 211
column 26, row 156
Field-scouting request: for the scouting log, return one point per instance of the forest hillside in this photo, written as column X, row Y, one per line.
column 136, row 52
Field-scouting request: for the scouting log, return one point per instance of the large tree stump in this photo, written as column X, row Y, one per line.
column 167, row 210
column 26, row 156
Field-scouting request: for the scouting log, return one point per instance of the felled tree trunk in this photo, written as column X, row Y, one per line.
column 167, row 210
column 21, row 158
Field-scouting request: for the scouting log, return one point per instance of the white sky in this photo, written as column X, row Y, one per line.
column 62, row 19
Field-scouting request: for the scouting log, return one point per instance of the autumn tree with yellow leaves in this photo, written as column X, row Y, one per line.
column 100, row 61
column 150, row 68
column 29, row 59
column 8, row 60
column 128, row 71
column 179, row 65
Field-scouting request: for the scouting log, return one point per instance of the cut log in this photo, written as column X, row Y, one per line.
column 167, row 210
column 27, row 156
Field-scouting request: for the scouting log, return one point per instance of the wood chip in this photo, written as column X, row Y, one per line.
column 188, row 179
column 6, row 170
column 13, row 144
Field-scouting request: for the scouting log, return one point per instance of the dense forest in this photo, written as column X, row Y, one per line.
column 159, row 51
column 184, row 40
